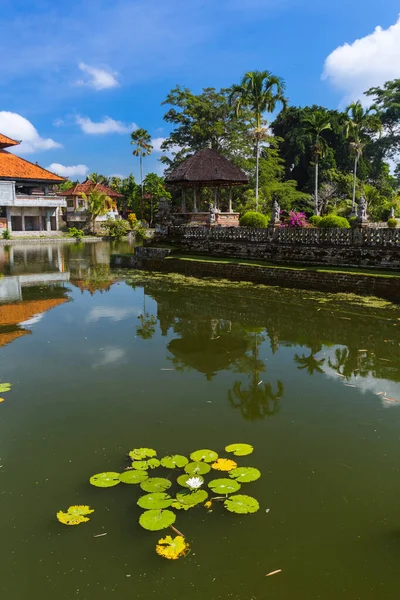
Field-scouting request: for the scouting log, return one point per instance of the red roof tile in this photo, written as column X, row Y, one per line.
column 14, row 167
column 87, row 186
column 5, row 141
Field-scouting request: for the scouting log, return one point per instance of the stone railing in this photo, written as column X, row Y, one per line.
column 367, row 236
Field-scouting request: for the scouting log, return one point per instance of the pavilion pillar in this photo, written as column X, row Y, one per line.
column 48, row 222
column 183, row 200
column 216, row 197
column 195, row 199
column 230, row 199
column 57, row 215
column 22, row 220
column 8, row 215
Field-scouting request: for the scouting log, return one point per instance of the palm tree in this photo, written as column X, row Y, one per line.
column 98, row 204
column 97, row 178
column 260, row 91
column 313, row 126
column 360, row 121
column 140, row 138
column 310, row 363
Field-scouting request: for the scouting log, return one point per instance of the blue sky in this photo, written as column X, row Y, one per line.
column 80, row 73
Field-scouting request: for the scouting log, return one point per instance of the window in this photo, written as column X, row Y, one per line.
column 70, row 203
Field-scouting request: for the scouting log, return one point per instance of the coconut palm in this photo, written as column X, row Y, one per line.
column 310, row 363
column 98, row 204
column 140, row 138
column 313, row 127
column 98, row 178
column 360, row 122
column 259, row 91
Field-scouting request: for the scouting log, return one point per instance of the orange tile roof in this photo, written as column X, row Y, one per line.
column 14, row 167
column 5, row 141
column 87, row 186
column 10, row 336
column 18, row 312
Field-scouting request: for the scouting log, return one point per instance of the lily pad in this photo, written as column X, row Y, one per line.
column 105, row 480
column 245, row 474
column 224, row 464
column 75, row 515
column 172, row 548
column 207, row 456
column 241, row 504
column 154, row 520
column 240, row 449
column 141, row 453
column 133, row 476
column 193, row 498
column 143, row 465
column 197, row 468
column 224, row 486
column 174, row 461
column 182, row 479
column 5, row 387
column 180, row 506
column 156, row 484
column 156, row 500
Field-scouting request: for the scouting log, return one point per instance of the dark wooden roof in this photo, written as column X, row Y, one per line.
column 207, row 167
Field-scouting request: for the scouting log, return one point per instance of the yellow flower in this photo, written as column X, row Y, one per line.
column 224, row 464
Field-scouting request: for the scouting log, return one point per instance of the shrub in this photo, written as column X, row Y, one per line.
column 334, row 221
column 140, row 230
column 392, row 223
column 75, row 233
column 254, row 219
column 132, row 218
column 6, row 235
column 315, row 220
column 352, row 220
column 116, row 229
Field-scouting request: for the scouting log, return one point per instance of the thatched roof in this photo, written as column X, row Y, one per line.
column 207, row 167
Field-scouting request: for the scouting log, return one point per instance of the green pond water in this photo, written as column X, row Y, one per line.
column 102, row 361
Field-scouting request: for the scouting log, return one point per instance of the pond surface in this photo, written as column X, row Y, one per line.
column 100, row 365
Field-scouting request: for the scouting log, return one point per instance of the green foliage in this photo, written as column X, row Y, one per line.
column 75, row 233
column 5, row 387
column 315, row 220
column 192, row 498
column 133, row 477
column 242, row 504
column 182, row 479
column 154, row 189
column 96, row 204
column 156, row 484
column 224, row 486
column 143, row 465
column 141, row 453
column 103, row 480
column 207, row 456
column 392, row 223
column 174, row 461
column 245, row 474
column 240, row 449
column 75, row 515
column 154, row 520
column 116, row 228
column 197, row 468
column 156, row 500
column 254, row 219
column 334, row 221
column 6, row 235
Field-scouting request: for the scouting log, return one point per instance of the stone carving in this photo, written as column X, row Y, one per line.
column 362, row 210
column 392, row 213
column 276, row 213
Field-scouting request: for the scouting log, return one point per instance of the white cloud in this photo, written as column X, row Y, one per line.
column 109, row 356
column 367, row 62
column 157, row 142
column 107, row 125
column 99, row 79
column 17, row 127
column 71, row 172
column 111, row 312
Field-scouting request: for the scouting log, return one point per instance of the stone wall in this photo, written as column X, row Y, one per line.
column 360, row 247
column 387, row 287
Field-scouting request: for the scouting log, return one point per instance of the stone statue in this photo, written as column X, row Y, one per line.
column 213, row 212
column 276, row 212
column 392, row 213
column 362, row 210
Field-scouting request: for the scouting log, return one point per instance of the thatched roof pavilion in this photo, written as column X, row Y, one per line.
column 206, row 168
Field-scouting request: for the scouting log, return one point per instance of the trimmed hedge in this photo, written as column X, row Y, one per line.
column 334, row 221
column 392, row 223
column 315, row 220
column 254, row 219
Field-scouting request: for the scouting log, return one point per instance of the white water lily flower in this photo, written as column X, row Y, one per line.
column 194, row 482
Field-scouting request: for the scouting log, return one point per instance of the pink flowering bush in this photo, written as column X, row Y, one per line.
column 295, row 219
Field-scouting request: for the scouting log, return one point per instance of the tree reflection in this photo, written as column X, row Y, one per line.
column 147, row 327
column 309, row 363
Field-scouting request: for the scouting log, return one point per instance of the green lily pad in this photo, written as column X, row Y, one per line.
column 192, row 498
column 240, row 449
column 105, row 480
column 241, row 504
column 5, row 387
column 133, row 476
column 245, row 474
column 180, row 506
column 197, row 468
column 154, row 520
column 143, row 465
column 207, row 456
column 174, row 461
column 224, row 486
column 156, row 500
column 156, row 484
column 141, row 453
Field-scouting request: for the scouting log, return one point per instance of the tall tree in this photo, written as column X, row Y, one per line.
column 261, row 92
column 98, row 178
column 314, row 126
column 154, row 190
column 387, row 101
column 140, row 138
column 360, row 123
column 98, row 204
